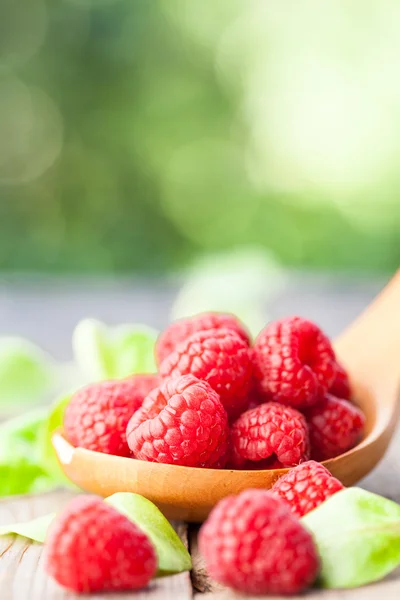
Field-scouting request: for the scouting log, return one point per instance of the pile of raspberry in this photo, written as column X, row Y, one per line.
column 221, row 401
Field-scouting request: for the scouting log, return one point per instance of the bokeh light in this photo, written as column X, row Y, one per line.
column 30, row 132
column 136, row 136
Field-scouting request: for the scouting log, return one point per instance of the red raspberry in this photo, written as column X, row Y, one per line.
column 97, row 415
column 335, row 426
column 180, row 330
column 271, row 429
column 305, row 487
column 341, row 384
column 252, row 543
column 182, row 422
column 92, row 547
column 220, row 357
column 294, row 362
column 151, row 408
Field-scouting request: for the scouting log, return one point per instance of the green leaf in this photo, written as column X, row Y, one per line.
column 26, row 373
column 21, row 468
column 172, row 554
column 23, row 476
column 358, row 537
column 35, row 530
column 17, row 435
column 113, row 352
column 27, row 459
column 54, row 420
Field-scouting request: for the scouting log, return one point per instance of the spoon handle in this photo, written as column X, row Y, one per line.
column 370, row 347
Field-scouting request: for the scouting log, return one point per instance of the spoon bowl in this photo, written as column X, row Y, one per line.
column 369, row 349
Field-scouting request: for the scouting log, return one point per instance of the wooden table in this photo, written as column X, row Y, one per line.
column 22, row 576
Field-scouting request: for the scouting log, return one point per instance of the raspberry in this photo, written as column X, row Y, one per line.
column 305, row 487
column 92, row 547
column 335, row 426
column 220, row 357
column 182, row 422
column 252, row 543
column 97, row 415
column 180, row 330
column 341, row 384
column 271, row 429
column 294, row 362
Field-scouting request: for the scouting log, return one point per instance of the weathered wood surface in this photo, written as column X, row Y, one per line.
column 21, row 564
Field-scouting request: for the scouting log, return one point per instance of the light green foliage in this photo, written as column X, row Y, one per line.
column 35, row 530
column 26, row 374
column 358, row 537
column 53, row 421
column 27, row 459
column 21, row 468
column 104, row 352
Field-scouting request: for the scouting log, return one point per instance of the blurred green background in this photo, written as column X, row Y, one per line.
column 136, row 135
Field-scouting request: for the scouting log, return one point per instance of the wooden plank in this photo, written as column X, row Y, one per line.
column 384, row 480
column 21, row 565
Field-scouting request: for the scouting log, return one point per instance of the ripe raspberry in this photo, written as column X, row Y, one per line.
column 252, row 543
column 97, row 415
column 341, row 384
column 220, row 357
column 294, row 362
column 335, row 426
column 182, row 422
column 305, row 487
column 180, row 330
column 93, row 548
column 271, row 429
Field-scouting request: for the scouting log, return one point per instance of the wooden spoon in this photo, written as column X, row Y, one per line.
column 369, row 349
